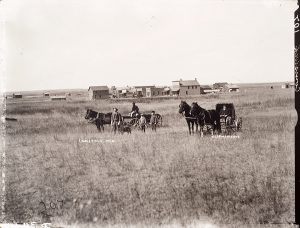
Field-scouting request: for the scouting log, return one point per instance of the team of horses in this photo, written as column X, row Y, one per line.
column 198, row 116
column 98, row 118
column 195, row 116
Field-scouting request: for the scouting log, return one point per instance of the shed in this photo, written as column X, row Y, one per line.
column 98, row 92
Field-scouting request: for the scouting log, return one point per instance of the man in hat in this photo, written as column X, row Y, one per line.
column 116, row 119
column 143, row 122
column 225, row 114
column 153, row 121
column 135, row 110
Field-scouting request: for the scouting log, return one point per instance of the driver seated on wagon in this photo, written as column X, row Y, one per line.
column 135, row 110
column 224, row 113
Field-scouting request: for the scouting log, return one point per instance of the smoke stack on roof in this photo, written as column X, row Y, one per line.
column 195, row 79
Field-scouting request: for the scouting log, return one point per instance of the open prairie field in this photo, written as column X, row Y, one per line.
column 59, row 168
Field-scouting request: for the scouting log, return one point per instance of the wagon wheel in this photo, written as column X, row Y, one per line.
column 159, row 120
column 134, row 122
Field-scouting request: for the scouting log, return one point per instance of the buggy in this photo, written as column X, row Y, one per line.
column 230, row 122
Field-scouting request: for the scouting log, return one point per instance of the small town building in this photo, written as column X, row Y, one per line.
column 285, row 86
column 288, row 85
column 154, row 91
column 46, row 94
column 98, row 92
column 175, row 90
column 112, row 92
column 141, row 90
column 233, row 88
column 220, row 85
column 122, row 92
column 17, row 95
column 167, row 91
column 185, row 87
column 204, row 89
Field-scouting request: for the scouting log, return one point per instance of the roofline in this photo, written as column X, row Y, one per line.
column 99, row 86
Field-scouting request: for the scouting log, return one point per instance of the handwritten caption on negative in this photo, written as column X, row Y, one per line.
column 96, row 140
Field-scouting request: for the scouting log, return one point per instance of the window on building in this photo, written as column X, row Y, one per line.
column 195, row 87
column 186, row 92
column 188, row 87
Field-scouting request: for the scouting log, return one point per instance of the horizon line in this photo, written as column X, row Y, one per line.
column 36, row 90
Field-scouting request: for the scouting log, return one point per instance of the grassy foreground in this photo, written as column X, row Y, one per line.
column 60, row 169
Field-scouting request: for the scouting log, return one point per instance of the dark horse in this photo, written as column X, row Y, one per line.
column 210, row 118
column 98, row 118
column 185, row 110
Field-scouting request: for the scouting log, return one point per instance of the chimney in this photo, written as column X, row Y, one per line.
column 195, row 79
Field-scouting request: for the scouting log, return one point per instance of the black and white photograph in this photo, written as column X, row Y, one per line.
column 148, row 113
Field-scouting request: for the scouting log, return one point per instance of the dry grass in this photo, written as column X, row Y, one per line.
column 152, row 178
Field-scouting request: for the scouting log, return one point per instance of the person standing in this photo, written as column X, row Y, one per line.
column 153, row 121
column 225, row 114
column 116, row 119
column 143, row 123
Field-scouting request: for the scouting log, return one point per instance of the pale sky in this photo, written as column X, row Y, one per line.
column 57, row 44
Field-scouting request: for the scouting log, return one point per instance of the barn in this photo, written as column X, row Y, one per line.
column 185, row 87
column 98, row 92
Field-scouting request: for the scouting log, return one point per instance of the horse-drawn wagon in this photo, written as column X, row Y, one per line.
column 228, row 120
column 128, row 121
column 133, row 121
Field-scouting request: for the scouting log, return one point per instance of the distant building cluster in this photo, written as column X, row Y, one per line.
column 288, row 85
column 179, row 88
